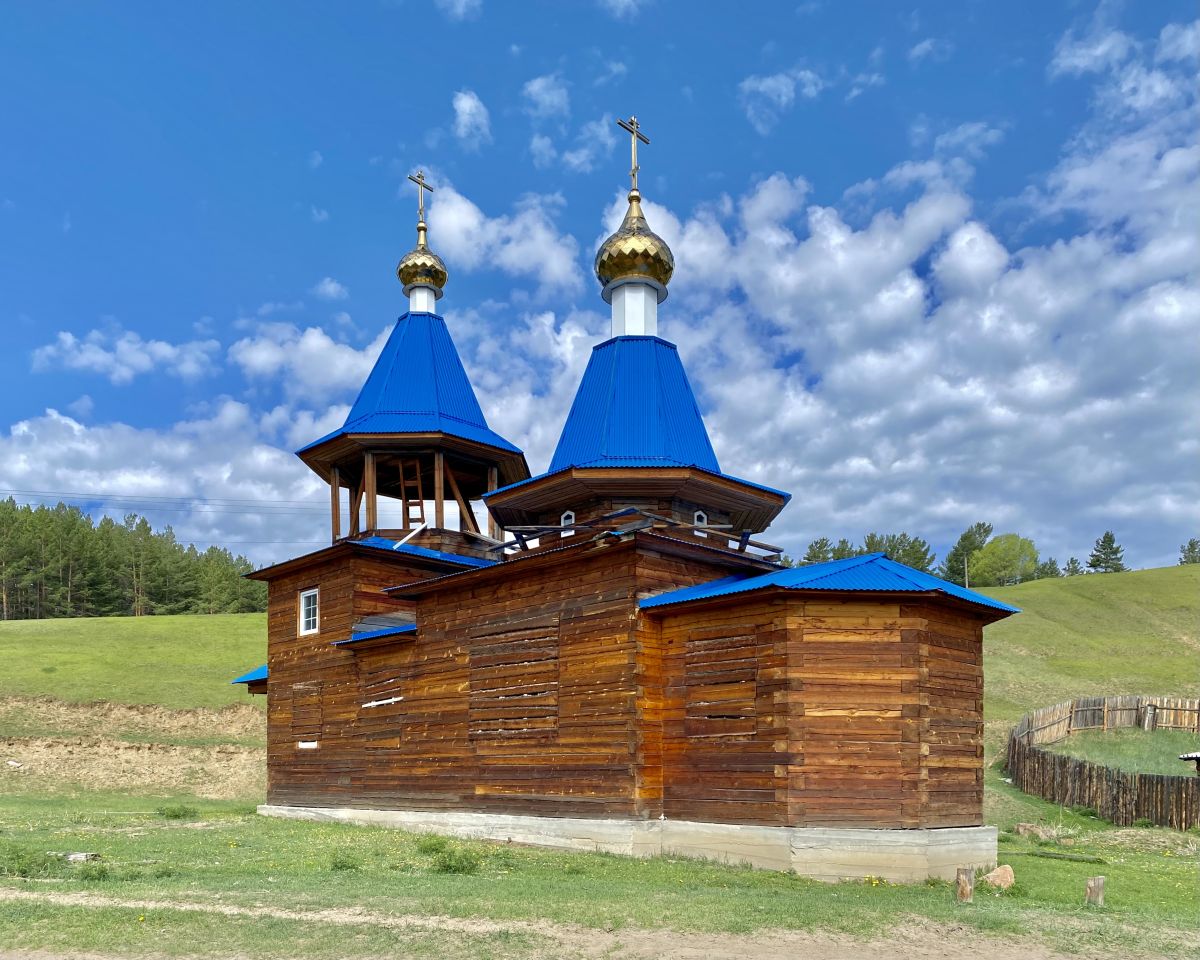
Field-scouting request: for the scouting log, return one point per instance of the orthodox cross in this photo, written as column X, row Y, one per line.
column 422, row 186
column 635, row 134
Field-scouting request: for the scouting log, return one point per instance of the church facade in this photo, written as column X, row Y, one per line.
column 611, row 659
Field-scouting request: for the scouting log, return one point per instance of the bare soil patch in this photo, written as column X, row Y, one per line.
column 43, row 716
column 221, row 772
column 914, row 942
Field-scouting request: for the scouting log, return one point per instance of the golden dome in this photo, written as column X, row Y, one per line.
column 635, row 251
column 422, row 266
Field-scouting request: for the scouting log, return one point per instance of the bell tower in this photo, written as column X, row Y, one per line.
column 416, row 435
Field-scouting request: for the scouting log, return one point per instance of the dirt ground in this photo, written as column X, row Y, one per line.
column 915, row 942
column 95, row 746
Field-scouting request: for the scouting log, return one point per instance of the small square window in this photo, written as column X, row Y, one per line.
column 308, row 611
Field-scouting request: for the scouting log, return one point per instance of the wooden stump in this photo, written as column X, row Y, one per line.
column 965, row 884
column 1094, row 893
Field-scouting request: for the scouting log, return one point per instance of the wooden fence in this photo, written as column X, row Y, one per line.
column 1115, row 795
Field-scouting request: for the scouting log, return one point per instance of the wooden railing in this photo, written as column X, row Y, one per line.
column 1116, row 795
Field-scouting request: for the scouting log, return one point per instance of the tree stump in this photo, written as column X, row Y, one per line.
column 1094, row 893
column 964, row 885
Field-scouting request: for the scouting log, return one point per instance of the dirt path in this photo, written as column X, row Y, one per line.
column 911, row 942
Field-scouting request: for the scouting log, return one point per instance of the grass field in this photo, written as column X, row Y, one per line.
column 1137, row 751
column 185, row 875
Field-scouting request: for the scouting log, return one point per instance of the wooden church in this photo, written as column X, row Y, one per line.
column 612, row 659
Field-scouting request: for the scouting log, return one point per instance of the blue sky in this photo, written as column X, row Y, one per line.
column 937, row 263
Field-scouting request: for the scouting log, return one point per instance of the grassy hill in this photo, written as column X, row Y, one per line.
column 1112, row 633
column 177, row 662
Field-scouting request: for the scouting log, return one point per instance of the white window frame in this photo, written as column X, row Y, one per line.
column 315, row 593
column 567, row 520
column 700, row 518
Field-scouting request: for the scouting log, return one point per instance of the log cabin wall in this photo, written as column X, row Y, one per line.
column 312, row 683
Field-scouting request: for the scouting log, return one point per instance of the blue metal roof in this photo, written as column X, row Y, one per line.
column 418, row 385
column 376, row 634
column 259, row 673
column 636, row 463
column 395, row 546
column 872, row 572
column 634, row 408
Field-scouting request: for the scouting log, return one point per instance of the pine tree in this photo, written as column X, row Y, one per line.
column 1073, row 568
column 844, row 549
column 1107, row 555
column 1047, row 569
column 1190, row 551
column 819, row 551
column 956, row 566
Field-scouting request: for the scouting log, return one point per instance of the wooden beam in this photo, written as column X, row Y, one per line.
column 371, row 488
column 355, row 509
column 493, row 483
column 466, row 519
column 439, row 490
column 335, row 503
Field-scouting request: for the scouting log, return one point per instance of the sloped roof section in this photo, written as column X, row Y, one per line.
column 258, row 673
column 412, row 549
column 634, row 408
column 872, row 572
column 418, row 385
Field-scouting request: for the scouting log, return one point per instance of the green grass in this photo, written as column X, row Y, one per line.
column 1137, row 751
column 1110, row 634
column 248, row 862
column 177, row 662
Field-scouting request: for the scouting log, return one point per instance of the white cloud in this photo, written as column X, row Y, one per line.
column 471, row 123
column 765, row 98
column 541, row 148
column 319, row 214
column 525, row 243
column 82, row 406
column 547, row 97
column 121, row 355
column 329, row 289
column 863, row 82
column 613, row 70
column 459, row 9
column 1101, row 48
column 931, row 48
column 1179, row 41
column 595, row 140
column 969, row 140
column 308, row 363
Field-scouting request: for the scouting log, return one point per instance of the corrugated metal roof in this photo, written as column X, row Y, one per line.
column 634, row 408
column 418, row 385
column 376, row 634
column 395, row 546
column 872, row 572
column 638, row 463
column 258, row 673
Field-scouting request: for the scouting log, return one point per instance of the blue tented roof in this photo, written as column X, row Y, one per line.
column 872, row 572
column 418, row 385
column 258, row 673
column 634, row 408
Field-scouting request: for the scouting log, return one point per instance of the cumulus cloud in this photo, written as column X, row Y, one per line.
column 472, row 125
column 307, row 362
column 329, row 289
column 524, row 243
column 1100, row 48
column 596, row 140
column 765, row 98
column 542, row 150
column 547, row 97
column 121, row 355
column 931, row 48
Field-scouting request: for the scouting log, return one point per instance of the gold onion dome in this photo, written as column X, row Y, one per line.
column 635, row 251
column 421, row 266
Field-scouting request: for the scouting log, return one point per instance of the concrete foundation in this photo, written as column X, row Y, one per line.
column 824, row 853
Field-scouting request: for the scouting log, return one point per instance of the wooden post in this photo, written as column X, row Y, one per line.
column 439, row 490
column 466, row 519
column 370, row 487
column 335, row 502
column 493, row 483
column 1094, row 892
column 356, row 496
column 964, row 884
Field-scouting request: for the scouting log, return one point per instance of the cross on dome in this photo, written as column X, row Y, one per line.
column 421, row 270
column 635, row 134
